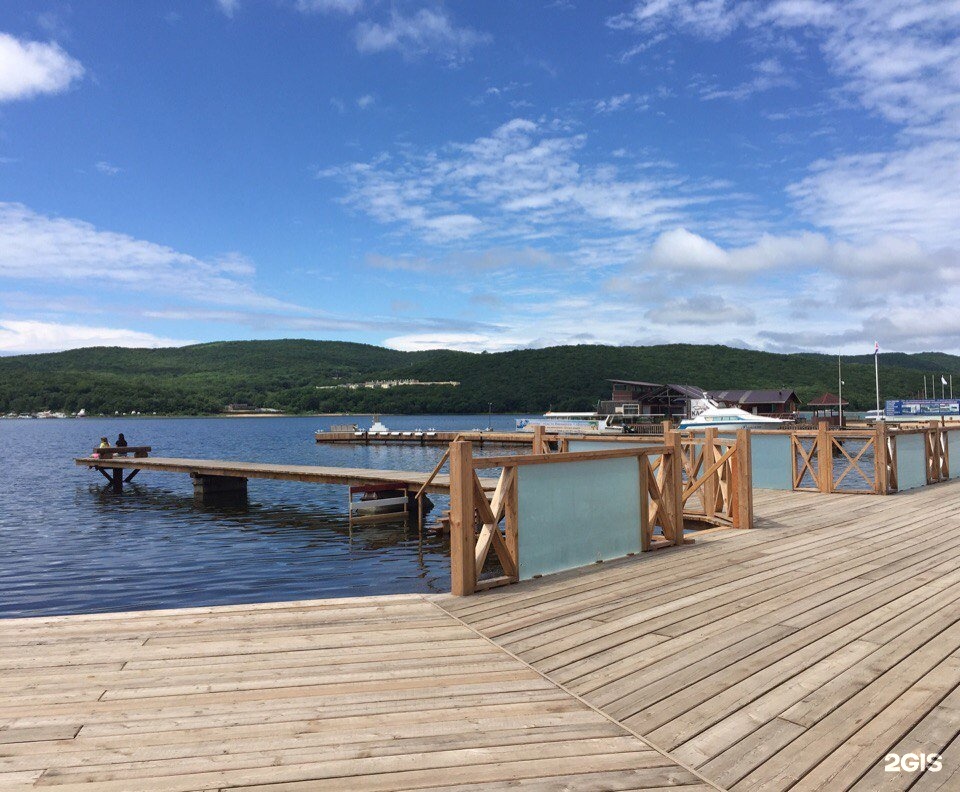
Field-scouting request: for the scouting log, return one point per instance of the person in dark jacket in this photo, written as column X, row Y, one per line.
column 121, row 442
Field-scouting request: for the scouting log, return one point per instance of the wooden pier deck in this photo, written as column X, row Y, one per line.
column 791, row 657
column 315, row 474
column 371, row 694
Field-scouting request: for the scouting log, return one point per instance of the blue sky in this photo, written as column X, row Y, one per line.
column 776, row 175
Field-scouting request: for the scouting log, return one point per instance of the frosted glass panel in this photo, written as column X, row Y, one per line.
column 575, row 513
column 770, row 457
column 911, row 461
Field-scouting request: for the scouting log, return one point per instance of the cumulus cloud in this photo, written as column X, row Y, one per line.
column 887, row 257
column 24, row 337
column 31, row 68
column 428, row 31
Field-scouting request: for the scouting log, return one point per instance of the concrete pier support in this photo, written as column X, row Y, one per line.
column 219, row 490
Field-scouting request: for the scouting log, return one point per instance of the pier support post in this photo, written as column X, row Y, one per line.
column 219, row 490
column 116, row 480
column 463, row 568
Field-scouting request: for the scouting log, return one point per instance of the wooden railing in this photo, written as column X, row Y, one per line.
column 718, row 488
column 704, row 479
column 868, row 461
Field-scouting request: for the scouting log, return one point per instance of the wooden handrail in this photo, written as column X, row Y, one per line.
column 515, row 460
column 436, row 470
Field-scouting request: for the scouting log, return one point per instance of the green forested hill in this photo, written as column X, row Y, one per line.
column 285, row 374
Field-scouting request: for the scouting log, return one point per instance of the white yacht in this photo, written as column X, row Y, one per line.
column 570, row 423
column 730, row 418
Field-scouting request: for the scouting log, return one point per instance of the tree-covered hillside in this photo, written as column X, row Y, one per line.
column 289, row 375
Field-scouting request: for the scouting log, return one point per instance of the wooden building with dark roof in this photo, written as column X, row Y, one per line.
column 774, row 403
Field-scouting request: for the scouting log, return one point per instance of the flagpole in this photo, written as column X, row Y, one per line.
column 924, row 387
column 840, row 389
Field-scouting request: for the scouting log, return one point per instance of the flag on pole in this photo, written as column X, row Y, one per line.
column 876, row 347
column 943, row 380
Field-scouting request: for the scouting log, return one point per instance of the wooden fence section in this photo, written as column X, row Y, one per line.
column 555, row 511
column 878, row 461
column 718, row 488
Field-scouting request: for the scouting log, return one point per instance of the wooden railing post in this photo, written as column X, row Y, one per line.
column 824, row 457
column 744, row 478
column 673, row 482
column 881, row 461
column 539, row 440
column 933, row 452
column 709, row 491
column 463, row 572
column 646, row 529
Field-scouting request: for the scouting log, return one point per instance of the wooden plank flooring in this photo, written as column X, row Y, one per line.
column 365, row 694
column 791, row 657
column 794, row 656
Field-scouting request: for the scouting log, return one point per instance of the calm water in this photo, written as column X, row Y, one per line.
column 69, row 546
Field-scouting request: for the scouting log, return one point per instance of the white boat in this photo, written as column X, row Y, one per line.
column 730, row 418
column 570, row 423
column 376, row 427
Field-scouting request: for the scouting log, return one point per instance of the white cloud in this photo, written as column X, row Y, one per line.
column 704, row 310
column 769, row 74
column 465, row 342
column 107, row 169
column 898, row 57
column 329, row 6
column 887, row 258
column 62, row 250
column 620, row 102
column 522, row 182
column 24, row 337
column 30, row 68
column 365, row 101
column 229, row 7
column 428, row 31
column 913, row 192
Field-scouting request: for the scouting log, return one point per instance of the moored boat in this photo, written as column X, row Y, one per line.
column 570, row 423
column 730, row 418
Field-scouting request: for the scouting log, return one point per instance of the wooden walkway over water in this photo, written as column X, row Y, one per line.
column 315, row 474
column 794, row 656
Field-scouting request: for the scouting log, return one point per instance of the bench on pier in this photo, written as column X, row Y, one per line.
column 109, row 452
column 115, row 476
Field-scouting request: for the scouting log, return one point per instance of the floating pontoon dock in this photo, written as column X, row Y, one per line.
column 425, row 438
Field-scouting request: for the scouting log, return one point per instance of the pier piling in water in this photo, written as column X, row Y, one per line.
column 219, row 490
